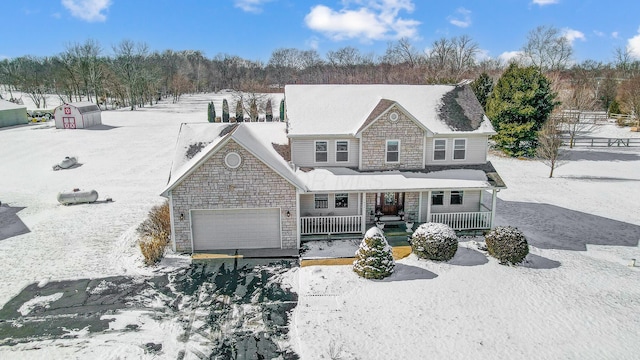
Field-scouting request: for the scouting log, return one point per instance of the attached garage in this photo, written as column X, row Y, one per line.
column 236, row 229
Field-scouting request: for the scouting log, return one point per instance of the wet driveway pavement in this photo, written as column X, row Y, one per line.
column 223, row 309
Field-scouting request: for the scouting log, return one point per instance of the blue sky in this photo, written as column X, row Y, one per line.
column 252, row 29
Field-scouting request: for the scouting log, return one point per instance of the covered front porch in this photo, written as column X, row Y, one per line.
column 477, row 212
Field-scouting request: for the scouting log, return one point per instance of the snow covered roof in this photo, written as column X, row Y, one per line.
column 198, row 141
column 8, row 105
column 344, row 109
column 344, row 179
column 83, row 106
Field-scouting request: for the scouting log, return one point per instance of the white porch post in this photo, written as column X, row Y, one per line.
column 493, row 207
column 428, row 219
column 363, row 201
column 481, row 198
column 298, row 220
column 419, row 207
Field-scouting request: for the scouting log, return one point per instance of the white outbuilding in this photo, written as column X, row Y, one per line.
column 79, row 115
column 12, row 114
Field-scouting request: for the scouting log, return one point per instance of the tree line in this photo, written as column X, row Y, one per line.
column 132, row 75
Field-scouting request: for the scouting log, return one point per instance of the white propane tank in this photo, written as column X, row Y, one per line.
column 77, row 197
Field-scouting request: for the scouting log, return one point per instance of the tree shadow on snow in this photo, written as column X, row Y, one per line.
column 10, row 223
column 404, row 272
column 468, row 257
column 552, row 227
column 534, row 261
column 612, row 154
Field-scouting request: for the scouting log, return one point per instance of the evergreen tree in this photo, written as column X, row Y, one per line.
column 482, row 87
column 518, row 106
column 374, row 259
column 239, row 113
column 269, row 111
column 282, row 110
column 253, row 111
column 211, row 112
column 225, row 111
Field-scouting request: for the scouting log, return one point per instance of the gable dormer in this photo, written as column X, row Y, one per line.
column 391, row 138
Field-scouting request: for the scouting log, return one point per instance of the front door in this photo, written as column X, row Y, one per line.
column 391, row 202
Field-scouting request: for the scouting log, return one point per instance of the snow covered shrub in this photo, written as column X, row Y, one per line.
column 434, row 241
column 507, row 244
column 374, row 259
column 155, row 232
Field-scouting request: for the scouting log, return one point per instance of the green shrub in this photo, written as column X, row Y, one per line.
column 155, row 233
column 374, row 259
column 507, row 244
column 434, row 241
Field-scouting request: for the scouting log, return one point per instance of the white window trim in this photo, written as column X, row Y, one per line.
column 386, row 152
column 348, row 150
column 461, row 196
column 433, row 193
column 315, row 201
column 334, row 201
column 453, row 153
column 315, row 152
column 433, row 156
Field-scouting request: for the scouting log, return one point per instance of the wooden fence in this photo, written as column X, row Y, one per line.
column 602, row 142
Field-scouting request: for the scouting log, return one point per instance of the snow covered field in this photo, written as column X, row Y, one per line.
column 576, row 297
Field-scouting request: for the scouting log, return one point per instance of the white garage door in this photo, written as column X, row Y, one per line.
column 235, row 229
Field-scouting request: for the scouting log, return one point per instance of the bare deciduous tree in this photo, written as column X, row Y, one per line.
column 549, row 149
column 547, row 49
column 629, row 93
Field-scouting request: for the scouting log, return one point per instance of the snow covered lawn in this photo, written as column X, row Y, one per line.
column 576, row 297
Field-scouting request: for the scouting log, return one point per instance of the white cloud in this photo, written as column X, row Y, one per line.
column 598, row 33
column 463, row 18
column 545, row 2
column 571, row 35
column 253, row 6
column 509, row 56
column 56, row 15
column 482, row 54
column 376, row 20
column 313, row 43
column 88, row 10
column 615, row 34
column 633, row 46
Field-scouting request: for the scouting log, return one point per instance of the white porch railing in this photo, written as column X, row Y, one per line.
column 464, row 220
column 330, row 224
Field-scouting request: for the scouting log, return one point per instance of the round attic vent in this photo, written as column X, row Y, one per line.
column 394, row 116
column 233, row 160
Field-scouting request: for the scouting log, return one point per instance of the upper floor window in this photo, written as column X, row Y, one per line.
column 439, row 149
column 342, row 150
column 342, row 200
column 393, row 151
column 321, row 151
column 456, row 197
column 437, row 198
column 321, row 201
column 459, row 149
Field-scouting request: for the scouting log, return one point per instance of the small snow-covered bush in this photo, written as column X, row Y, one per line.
column 374, row 259
column 507, row 244
column 434, row 241
column 155, row 232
